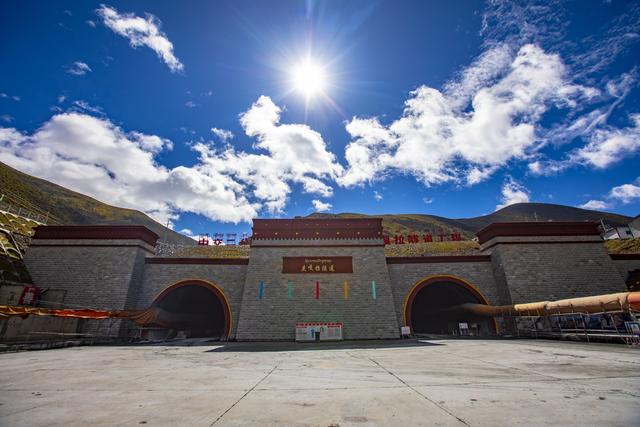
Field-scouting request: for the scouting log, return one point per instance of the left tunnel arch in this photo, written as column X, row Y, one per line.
column 198, row 307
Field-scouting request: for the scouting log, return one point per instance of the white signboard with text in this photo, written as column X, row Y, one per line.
column 318, row 331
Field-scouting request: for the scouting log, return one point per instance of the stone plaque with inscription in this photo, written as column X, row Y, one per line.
column 314, row 265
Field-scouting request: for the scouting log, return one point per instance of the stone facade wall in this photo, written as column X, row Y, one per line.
column 92, row 275
column 274, row 317
column 228, row 278
column 553, row 271
column 405, row 276
column 118, row 274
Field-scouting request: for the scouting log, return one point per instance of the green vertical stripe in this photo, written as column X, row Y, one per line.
column 373, row 289
column 290, row 290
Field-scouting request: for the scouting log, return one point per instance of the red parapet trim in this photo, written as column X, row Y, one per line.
column 438, row 259
column 196, row 261
column 96, row 232
column 36, row 245
column 311, row 228
column 625, row 257
column 539, row 242
column 555, row 228
column 372, row 245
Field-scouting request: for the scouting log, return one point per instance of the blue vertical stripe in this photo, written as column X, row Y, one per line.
column 261, row 289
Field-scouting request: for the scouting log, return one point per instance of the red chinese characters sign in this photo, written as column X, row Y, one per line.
column 322, row 265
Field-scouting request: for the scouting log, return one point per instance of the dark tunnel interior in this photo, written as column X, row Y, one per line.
column 195, row 310
column 425, row 317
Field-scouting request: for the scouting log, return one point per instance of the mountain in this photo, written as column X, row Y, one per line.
column 63, row 206
column 417, row 223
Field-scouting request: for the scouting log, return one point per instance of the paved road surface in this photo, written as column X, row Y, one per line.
column 436, row 382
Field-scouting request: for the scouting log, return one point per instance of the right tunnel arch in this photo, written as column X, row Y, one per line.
column 425, row 304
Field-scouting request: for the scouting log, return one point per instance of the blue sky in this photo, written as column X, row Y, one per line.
column 196, row 115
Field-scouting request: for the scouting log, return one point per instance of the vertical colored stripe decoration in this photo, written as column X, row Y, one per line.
column 346, row 290
column 289, row 290
column 373, row 289
column 317, row 290
column 261, row 289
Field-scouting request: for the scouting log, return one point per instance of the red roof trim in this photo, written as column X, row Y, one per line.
column 96, row 232
column 559, row 228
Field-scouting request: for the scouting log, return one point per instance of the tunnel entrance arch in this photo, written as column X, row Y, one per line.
column 425, row 307
column 197, row 307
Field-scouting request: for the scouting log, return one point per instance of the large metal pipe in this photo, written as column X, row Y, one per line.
column 623, row 301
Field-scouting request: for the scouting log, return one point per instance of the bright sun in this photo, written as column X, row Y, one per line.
column 309, row 79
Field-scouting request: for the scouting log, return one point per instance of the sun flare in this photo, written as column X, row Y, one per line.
column 309, row 79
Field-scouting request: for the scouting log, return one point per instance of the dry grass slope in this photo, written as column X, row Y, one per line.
column 629, row 246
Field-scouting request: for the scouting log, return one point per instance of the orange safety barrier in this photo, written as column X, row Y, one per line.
column 151, row 316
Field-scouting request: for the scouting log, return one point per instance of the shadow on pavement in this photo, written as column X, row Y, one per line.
column 336, row 345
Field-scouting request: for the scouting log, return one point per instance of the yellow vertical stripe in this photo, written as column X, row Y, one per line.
column 346, row 290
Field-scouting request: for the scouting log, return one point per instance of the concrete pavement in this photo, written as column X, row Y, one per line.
column 432, row 382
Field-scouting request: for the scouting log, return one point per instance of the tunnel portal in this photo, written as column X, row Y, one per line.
column 195, row 309
column 428, row 314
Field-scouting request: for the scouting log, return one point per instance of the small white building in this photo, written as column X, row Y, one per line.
column 619, row 232
column 635, row 226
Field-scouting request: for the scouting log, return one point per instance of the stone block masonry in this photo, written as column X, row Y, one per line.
column 160, row 275
column 275, row 315
column 114, row 267
column 549, row 261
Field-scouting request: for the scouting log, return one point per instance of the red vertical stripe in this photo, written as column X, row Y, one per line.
column 317, row 290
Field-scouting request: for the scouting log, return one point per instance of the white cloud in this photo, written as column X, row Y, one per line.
column 513, row 192
column 84, row 107
column 626, row 193
column 596, row 205
column 223, row 135
column 78, row 68
column 294, row 153
column 187, row 232
column 141, row 32
column 190, row 104
column 609, row 145
column 95, row 157
column 6, row 118
column 605, row 146
column 377, row 196
column 465, row 134
column 320, row 206
column 427, row 200
column 14, row 97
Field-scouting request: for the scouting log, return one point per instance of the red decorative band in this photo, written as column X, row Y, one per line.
column 96, row 232
column 559, row 228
